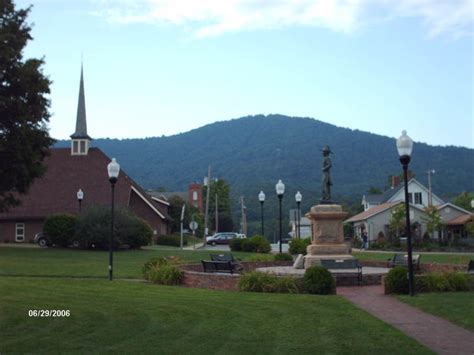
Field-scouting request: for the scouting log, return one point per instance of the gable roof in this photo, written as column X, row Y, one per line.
column 411, row 181
column 461, row 220
column 373, row 198
column 372, row 211
column 449, row 204
column 55, row 191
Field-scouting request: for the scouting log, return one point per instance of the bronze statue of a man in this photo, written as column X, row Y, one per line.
column 327, row 180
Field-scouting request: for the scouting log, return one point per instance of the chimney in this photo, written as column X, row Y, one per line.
column 395, row 181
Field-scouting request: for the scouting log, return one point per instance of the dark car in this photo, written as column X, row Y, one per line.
column 222, row 238
column 44, row 241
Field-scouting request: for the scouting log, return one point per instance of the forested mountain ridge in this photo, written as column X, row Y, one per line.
column 253, row 152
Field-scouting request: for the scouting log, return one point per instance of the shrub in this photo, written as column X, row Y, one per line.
column 151, row 264
column 60, row 228
column 166, row 274
column 236, row 244
column 298, row 246
column 318, row 280
column 443, row 282
column 171, row 240
column 262, row 282
column 93, row 228
column 256, row 244
column 283, row 257
column 397, row 280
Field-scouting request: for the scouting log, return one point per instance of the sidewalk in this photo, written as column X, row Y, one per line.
column 436, row 333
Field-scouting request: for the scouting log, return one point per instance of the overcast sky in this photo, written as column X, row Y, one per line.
column 161, row 67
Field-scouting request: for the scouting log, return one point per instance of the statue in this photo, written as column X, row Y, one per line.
column 327, row 181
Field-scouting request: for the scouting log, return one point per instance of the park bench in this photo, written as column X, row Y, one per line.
column 470, row 267
column 217, row 266
column 402, row 260
column 227, row 257
column 344, row 266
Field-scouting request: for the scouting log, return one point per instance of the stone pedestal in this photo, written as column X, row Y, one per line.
column 327, row 241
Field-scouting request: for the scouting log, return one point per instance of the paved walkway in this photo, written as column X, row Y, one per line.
column 438, row 334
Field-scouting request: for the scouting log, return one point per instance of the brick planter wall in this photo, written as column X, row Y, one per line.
column 431, row 267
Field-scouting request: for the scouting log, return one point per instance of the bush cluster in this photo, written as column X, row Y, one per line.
column 256, row 244
column 163, row 271
column 60, row 229
column 443, row 282
column 298, row 246
column 171, row 240
column 318, row 280
column 397, row 280
column 256, row 281
column 236, row 244
column 93, row 229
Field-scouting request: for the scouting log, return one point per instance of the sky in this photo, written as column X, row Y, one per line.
column 162, row 67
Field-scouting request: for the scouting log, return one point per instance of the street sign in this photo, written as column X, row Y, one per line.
column 193, row 225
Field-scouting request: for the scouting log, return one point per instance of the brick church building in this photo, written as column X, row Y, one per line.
column 80, row 167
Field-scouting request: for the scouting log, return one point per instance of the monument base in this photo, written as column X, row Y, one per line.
column 312, row 260
column 327, row 241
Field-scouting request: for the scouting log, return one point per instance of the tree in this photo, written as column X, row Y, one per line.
column 222, row 189
column 397, row 223
column 374, row 191
column 464, row 199
column 433, row 221
column 176, row 204
column 24, row 137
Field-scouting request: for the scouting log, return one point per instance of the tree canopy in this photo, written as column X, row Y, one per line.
column 24, row 108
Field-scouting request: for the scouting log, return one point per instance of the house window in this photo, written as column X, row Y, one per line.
column 20, row 232
column 83, row 147
column 410, row 197
column 418, row 199
column 195, row 195
column 75, row 147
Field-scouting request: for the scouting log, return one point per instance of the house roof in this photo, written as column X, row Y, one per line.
column 374, row 199
column 372, row 211
column 461, row 220
column 449, row 204
column 55, row 191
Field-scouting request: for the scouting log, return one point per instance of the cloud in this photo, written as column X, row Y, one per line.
column 216, row 17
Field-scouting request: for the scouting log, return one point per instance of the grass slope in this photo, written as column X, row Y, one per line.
column 133, row 317
column 86, row 263
column 457, row 307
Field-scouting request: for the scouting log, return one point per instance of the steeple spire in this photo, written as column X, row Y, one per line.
column 80, row 138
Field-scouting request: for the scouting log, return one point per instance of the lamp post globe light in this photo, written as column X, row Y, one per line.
column 472, row 203
column 404, row 147
column 261, row 198
column 80, row 197
column 298, row 198
column 280, row 190
column 113, row 169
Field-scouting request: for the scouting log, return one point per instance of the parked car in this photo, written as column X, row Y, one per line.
column 43, row 240
column 222, row 238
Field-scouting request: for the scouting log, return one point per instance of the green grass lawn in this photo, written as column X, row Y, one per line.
column 457, row 307
column 87, row 263
column 440, row 258
column 134, row 317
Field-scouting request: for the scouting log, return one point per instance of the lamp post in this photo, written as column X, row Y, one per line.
column 298, row 198
column 261, row 198
column 280, row 190
column 472, row 203
column 404, row 147
column 80, row 196
column 113, row 169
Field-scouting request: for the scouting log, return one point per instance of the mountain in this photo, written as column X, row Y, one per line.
column 253, row 152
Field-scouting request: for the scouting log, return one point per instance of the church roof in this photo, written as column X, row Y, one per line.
column 81, row 122
column 55, row 191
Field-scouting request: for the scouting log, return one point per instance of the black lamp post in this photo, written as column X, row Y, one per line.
column 280, row 190
column 261, row 198
column 404, row 147
column 298, row 198
column 80, row 196
column 113, row 170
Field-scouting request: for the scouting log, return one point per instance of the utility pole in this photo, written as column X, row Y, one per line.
column 181, row 220
column 207, row 183
column 244, row 216
column 430, row 195
column 217, row 215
